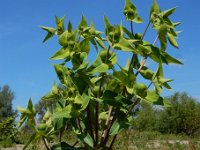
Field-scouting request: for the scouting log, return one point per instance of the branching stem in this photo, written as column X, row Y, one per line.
column 145, row 31
column 106, row 126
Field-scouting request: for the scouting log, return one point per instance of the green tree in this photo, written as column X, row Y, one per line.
column 182, row 117
column 6, row 98
column 146, row 118
column 98, row 97
column 8, row 127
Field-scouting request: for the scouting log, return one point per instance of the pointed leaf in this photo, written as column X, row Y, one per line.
column 168, row 12
column 169, row 59
column 124, row 45
column 131, row 13
column 162, row 35
column 63, row 53
column 99, row 69
column 172, row 40
column 155, row 10
column 50, row 34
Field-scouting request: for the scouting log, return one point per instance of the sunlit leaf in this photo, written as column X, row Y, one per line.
column 50, row 34
column 131, row 13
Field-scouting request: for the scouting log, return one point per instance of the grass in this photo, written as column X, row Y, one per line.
column 134, row 140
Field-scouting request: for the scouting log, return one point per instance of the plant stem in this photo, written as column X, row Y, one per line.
column 142, row 65
column 46, row 143
column 133, row 105
column 145, row 58
column 106, row 126
column 97, row 123
column 79, row 126
column 132, row 28
column 75, row 144
column 110, row 125
column 145, row 31
column 113, row 141
column 90, row 123
column 107, row 55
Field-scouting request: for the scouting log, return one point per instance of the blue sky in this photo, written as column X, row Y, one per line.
column 24, row 62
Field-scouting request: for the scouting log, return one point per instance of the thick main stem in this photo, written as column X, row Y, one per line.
column 106, row 127
column 97, row 123
column 90, row 123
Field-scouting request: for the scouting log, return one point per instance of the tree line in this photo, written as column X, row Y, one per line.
column 182, row 117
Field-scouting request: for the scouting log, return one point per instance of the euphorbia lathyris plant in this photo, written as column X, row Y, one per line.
column 96, row 100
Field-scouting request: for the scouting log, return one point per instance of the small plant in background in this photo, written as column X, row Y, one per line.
column 96, row 99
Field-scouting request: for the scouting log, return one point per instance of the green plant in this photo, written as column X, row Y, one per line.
column 6, row 98
column 8, row 131
column 97, row 98
column 182, row 117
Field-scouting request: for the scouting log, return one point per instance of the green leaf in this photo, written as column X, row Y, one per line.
column 70, row 28
column 61, row 72
column 87, row 139
column 156, row 99
column 108, row 26
column 110, row 98
column 50, row 34
column 146, row 73
column 145, row 50
column 78, row 59
column 131, row 13
column 131, row 36
column 63, row 146
column 54, row 88
column 154, row 11
column 124, row 45
column 175, row 24
column 100, row 69
column 162, row 35
column 27, row 114
column 53, row 95
column 63, row 53
column 41, row 127
column 168, row 12
column 169, row 59
column 85, row 46
column 83, row 24
column 114, row 86
column 67, row 39
column 100, row 42
column 115, row 128
column 119, row 125
column 172, row 40
column 125, row 77
column 23, row 118
column 107, row 57
column 60, row 25
column 60, row 117
column 31, row 107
